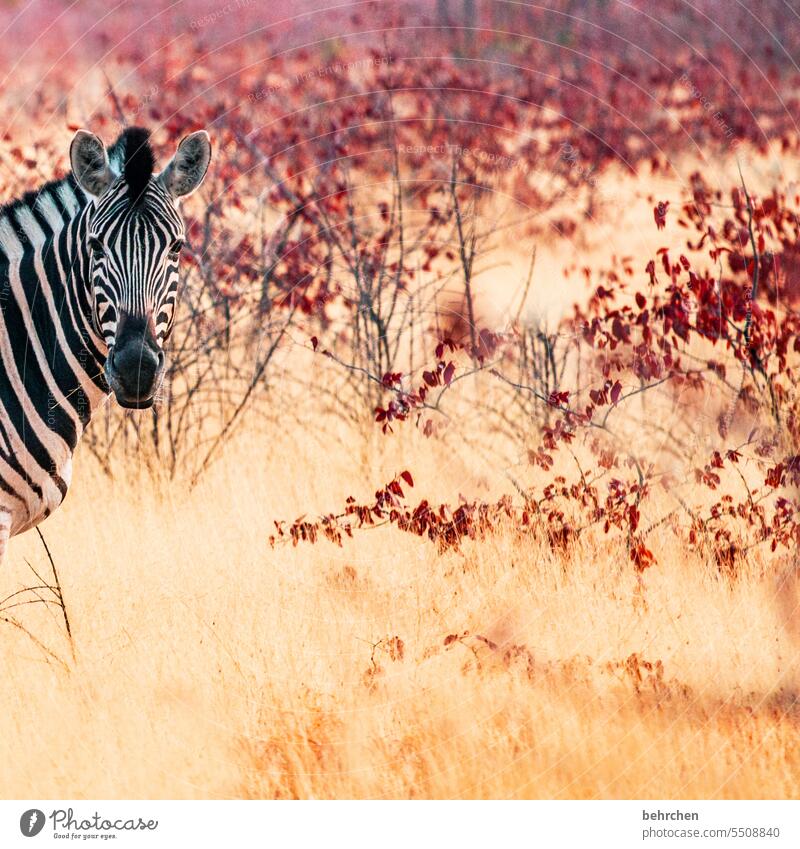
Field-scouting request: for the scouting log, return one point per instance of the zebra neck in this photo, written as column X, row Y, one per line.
column 43, row 238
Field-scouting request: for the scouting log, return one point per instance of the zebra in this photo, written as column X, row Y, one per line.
column 88, row 284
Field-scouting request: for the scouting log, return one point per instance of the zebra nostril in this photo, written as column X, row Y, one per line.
column 161, row 358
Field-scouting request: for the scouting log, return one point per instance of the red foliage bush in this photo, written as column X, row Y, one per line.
column 350, row 174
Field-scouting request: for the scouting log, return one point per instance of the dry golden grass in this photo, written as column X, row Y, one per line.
column 210, row 665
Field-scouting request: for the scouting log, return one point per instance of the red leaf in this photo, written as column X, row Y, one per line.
column 660, row 214
column 775, row 476
column 616, row 389
column 449, row 372
column 406, row 476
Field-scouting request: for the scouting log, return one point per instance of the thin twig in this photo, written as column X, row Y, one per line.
column 59, row 592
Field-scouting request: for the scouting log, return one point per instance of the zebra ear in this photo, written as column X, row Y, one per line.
column 89, row 161
column 188, row 167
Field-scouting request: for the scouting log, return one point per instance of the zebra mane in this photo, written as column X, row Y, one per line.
column 134, row 156
column 30, row 198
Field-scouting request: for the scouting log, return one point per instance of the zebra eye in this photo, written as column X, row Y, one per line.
column 176, row 248
column 97, row 246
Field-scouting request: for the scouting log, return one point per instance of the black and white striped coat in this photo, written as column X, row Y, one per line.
column 88, row 282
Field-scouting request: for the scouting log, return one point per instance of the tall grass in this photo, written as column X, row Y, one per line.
column 211, row 665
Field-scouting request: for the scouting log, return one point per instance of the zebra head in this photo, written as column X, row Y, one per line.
column 134, row 234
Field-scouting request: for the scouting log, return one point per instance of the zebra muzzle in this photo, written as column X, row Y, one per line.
column 134, row 372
